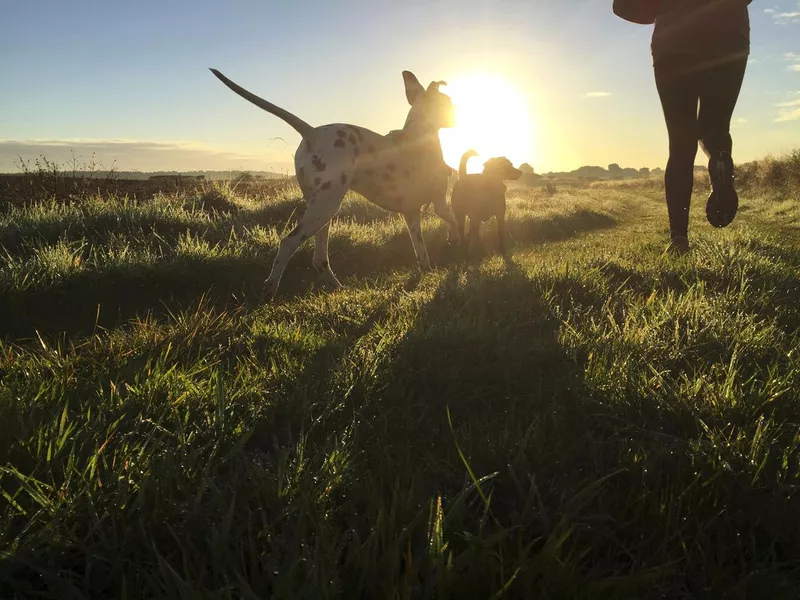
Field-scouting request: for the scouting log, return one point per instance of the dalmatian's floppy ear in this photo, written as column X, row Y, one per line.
column 414, row 88
column 435, row 85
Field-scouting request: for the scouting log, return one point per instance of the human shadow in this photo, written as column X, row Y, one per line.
column 488, row 410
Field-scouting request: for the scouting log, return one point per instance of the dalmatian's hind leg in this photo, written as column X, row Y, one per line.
column 322, row 206
column 321, row 262
column 415, row 231
column 443, row 211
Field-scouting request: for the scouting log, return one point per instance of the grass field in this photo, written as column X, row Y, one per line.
column 590, row 419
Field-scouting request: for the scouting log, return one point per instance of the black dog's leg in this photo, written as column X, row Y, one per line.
column 463, row 242
column 474, row 235
column 501, row 233
column 460, row 221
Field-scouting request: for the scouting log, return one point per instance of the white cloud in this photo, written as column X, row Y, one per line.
column 787, row 17
column 788, row 115
column 598, row 94
column 789, row 110
column 782, row 16
column 793, row 58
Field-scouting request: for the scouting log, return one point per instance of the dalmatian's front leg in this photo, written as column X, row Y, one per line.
column 415, row 231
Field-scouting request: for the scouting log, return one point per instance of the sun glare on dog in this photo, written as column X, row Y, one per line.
column 491, row 117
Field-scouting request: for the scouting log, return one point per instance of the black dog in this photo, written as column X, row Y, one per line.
column 482, row 196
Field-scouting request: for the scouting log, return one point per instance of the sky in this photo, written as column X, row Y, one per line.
column 129, row 81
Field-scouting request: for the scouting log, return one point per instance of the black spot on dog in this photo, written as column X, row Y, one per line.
column 343, row 179
column 341, row 133
column 352, row 139
column 326, row 186
column 338, row 144
column 357, row 131
column 318, row 164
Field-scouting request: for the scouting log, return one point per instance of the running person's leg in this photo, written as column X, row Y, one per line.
column 679, row 94
column 718, row 96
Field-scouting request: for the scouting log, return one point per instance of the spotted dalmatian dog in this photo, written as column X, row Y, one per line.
column 402, row 172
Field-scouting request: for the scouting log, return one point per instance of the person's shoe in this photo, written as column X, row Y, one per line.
column 723, row 202
column 678, row 246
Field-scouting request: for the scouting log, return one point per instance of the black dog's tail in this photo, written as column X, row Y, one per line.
column 462, row 166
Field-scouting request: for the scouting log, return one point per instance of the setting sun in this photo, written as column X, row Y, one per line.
column 491, row 117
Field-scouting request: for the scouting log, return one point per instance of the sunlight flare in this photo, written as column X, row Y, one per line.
column 492, row 117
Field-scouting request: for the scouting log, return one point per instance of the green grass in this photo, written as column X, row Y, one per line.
column 590, row 419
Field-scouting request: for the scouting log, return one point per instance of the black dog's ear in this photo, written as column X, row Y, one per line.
column 414, row 89
column 493, row 165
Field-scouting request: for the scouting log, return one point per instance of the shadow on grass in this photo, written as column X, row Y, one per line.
column 556, row 481
column 70, row 306
column 82, row 302
column 559, row 227
column 474, row 449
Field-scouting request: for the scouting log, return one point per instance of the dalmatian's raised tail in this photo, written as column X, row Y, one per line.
column 303, row 128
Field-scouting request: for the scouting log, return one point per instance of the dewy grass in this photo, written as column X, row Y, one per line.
column 589, row 419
